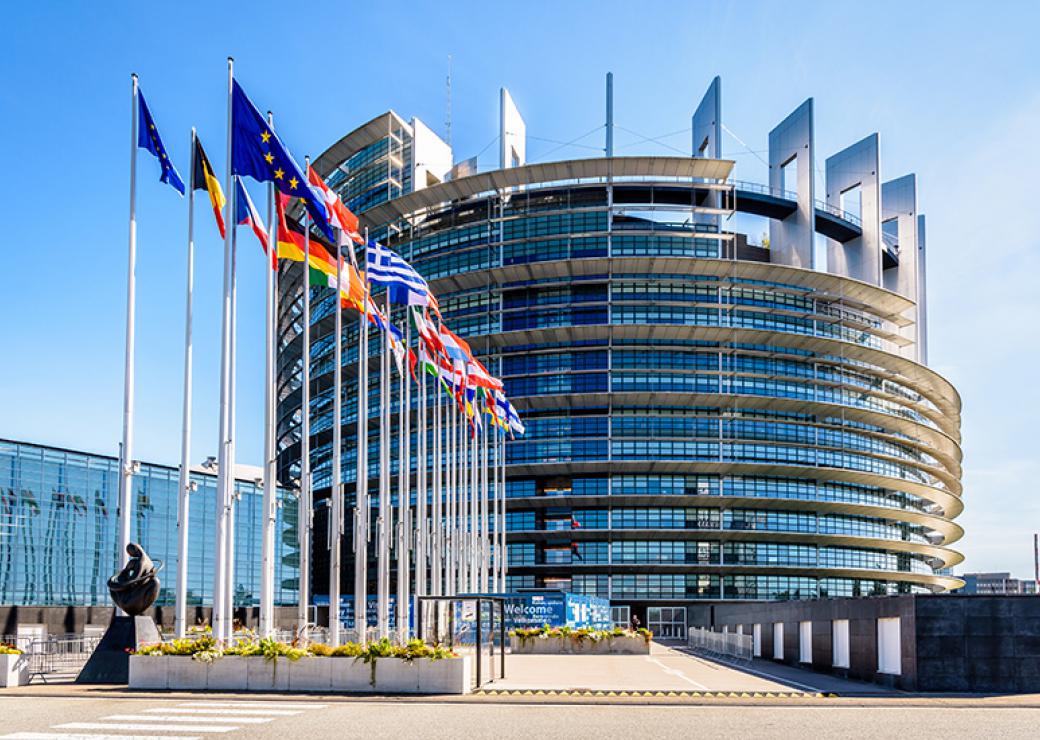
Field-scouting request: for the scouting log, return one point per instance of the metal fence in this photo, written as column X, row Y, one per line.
column 59, row 658
column 311, row 634
column 721, row 645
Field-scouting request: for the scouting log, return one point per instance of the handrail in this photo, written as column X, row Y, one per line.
column 843, row 215
column 756, row 187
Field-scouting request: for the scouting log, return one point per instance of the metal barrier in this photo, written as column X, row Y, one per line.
column 313, row 633
column 721, row 645
column 59, row 657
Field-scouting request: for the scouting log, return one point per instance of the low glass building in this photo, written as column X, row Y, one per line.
column 711, row 414
column 59, row 531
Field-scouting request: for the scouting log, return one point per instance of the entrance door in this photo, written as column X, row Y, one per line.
column 621, row 616
column 667, row 622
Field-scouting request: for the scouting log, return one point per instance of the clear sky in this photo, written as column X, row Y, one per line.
column 952, row 87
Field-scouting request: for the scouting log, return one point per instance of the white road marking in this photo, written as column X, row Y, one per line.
column 270, row 704
column 680, row 674
column 140, row 727
column 189, row 718
column 92, row 736
column 216, row 710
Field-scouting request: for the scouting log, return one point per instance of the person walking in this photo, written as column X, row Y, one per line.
column 634, row 622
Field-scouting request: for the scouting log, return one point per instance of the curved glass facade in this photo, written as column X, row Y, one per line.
column 698, row 426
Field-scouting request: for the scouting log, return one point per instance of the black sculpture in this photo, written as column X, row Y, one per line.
column 135, row 588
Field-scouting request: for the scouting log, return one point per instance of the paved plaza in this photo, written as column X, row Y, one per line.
column 666, row 669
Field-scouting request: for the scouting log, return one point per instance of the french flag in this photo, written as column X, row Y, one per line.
column 246, row 215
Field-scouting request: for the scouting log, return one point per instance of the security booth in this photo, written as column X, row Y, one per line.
column 473, row 624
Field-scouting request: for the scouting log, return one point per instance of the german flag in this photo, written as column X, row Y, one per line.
column 203, row 178
column 289, row 242
column 292, row 246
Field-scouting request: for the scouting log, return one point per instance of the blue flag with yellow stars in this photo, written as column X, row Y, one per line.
column 256, row 151
column 148, row 138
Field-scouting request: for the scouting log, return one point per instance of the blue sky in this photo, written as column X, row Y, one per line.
column 953, row 90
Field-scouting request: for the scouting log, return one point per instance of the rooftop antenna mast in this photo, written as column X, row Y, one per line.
column 447, row 118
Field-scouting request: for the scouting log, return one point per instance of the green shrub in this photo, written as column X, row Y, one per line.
column 244, row 647
column 205, row 648
column 349, row 650
column 319, row 649
column 579, row 635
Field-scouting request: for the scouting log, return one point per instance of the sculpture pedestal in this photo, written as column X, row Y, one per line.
column 110, row 662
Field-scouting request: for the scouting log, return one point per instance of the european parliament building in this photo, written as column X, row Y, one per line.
column 712, row 413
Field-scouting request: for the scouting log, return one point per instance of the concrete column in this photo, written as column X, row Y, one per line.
column 857, row 166
column 791, row 240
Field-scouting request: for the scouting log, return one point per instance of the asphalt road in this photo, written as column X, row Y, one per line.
column 121, row 714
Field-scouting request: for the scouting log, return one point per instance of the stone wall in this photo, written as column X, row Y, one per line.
column 963, row 643
column 978, row 643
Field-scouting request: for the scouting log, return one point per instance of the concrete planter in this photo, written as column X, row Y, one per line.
column 237, row 673
column 626, row 645
column 14, row 670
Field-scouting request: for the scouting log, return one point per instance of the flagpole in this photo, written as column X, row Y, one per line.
column 421, row 440
column 496, row 552
column 474, row 503
column 450, row 470
column 181, row 605
column 462, row 489
column 304, row 507
column 403, row 497
column 436, row 523
column 126, row 448
column 471, row 501
column 502, row 477
column 270, row 468
column 362, row 506
column 467, row 514
column 485, row 545
column 229, row 542
column 223, row 468
column 446, row 485
column 335, row 553
column 503, row 557
column 435, row 507
column 457, row 500
column 474, row 517
column 382, row 584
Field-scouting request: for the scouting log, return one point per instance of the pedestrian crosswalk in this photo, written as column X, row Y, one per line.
column 176, row 720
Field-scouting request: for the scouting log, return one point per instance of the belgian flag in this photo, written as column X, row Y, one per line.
column 203, row 178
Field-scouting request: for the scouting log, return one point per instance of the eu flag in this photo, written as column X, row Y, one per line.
column 148, row 138
column 257, row 151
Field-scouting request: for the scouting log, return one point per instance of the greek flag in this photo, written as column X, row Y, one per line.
column 385, row 267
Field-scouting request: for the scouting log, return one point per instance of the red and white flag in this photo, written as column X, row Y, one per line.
column 339, row 215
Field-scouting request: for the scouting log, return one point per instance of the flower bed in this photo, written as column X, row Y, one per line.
column 14, row 667
column 268, row 665
column 565, row 640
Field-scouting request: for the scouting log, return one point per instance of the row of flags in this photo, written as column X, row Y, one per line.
column 328, row 242
column 257, row 152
